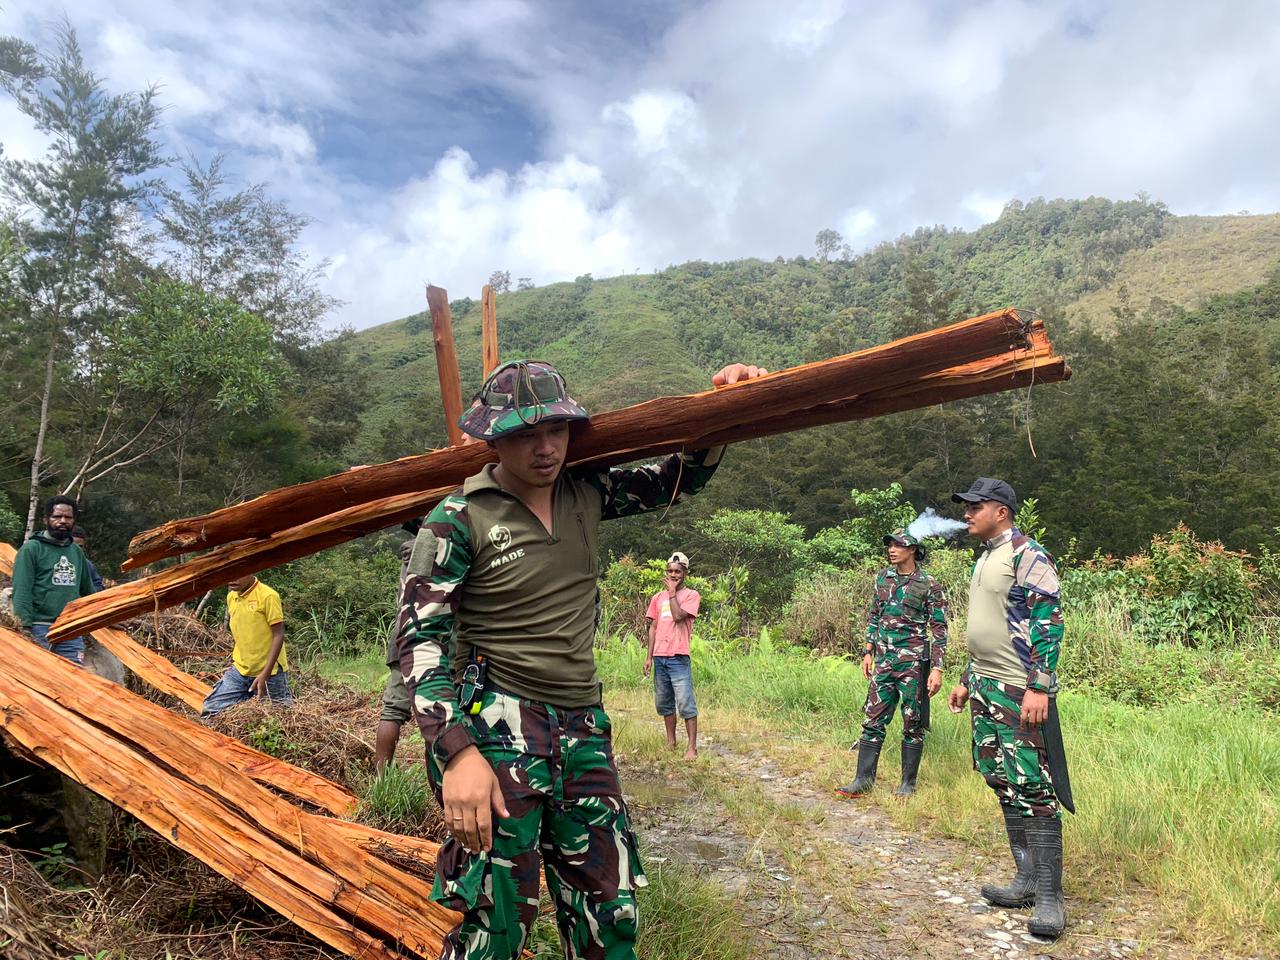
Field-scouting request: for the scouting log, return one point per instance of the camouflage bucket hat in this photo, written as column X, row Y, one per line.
column 904, row 539
column 517, row 395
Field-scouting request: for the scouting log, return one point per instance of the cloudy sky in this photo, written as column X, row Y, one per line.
column 441, row 140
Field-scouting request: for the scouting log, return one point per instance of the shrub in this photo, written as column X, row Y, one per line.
column 1192, row 592
column 340, row 602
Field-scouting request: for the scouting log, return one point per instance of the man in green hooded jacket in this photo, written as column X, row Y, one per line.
column 48, row 573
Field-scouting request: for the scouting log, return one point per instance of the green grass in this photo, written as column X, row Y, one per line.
column 1199, row 258
column 398, row 799
column 1180, row 799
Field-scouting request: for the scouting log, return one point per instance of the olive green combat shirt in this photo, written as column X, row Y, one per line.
column 487, row 578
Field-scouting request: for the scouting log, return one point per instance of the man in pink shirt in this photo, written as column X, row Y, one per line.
column 671, row 614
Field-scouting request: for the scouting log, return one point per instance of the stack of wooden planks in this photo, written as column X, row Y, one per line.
column 997, row 351
column 183, row 781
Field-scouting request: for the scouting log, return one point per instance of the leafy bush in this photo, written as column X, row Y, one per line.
column 763, row 541
column 861, row 538
column 828, row 610
column 340, row 602
column 10, row 522
column 1193, row 592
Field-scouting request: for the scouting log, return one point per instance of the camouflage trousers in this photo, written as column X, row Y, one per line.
column 561, row 788
column 894, row 683
column 1010, row 757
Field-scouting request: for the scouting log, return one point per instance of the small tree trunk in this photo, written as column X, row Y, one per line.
column 38, row 458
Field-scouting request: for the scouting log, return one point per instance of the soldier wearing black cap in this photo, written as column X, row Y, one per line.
column 1014, row 635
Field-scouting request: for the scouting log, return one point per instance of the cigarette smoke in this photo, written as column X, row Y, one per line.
column 929, row 524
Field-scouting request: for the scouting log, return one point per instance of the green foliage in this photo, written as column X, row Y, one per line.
column 762, row 541
column 186, row 346
column 56, row 864
column 339, row 602
column 397, row 799
column 10, row 522
column 1194, row 592
column 861, row 538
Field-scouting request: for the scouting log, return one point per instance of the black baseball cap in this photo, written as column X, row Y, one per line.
column 988, row 488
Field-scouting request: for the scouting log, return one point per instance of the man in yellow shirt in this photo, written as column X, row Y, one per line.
column 259, row 665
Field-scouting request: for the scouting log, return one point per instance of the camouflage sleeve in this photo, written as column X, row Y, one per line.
column 938, row 611
column 433, row 582
column 874, row 613
column 626, row 492
column 1034, row 571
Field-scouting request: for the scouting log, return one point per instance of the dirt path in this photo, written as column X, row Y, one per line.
column 818, row 876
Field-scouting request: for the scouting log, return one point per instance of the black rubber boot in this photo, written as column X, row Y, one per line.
column 868, row 760
column 1022, row 892
column 910, row 768
column 1044, row 840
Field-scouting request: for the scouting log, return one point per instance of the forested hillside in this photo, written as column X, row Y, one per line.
column 1171, row 414
column 164, row 348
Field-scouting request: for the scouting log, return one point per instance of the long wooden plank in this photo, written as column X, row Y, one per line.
column 446, row 362
column 180, row 583
column 489, row 330
column 167, row 678
column 301, row 846
column 670, row 421
column 147, row 664
column 177, row 584
column 183, row 816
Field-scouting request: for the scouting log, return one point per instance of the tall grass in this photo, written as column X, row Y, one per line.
column 1181, row 798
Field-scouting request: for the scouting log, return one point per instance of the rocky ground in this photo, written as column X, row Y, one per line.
column 820, row 876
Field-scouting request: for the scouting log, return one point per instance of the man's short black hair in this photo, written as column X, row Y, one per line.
column 61, row 500
column 77, row 533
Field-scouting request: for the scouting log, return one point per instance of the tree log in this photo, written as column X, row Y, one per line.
column 155, row 670
column 1024, row 368
column 672, row 422
column 489, row 330
column 298, row 863
column 446, row 362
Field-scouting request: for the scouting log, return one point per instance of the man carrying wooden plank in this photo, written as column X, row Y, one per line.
column 259, row 664
column 48, row 573
column 500, row 597
column 1014, row 635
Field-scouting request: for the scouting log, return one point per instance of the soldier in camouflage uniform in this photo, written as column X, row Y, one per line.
column 902, row 665
column 1014, row 635
column 495, row 637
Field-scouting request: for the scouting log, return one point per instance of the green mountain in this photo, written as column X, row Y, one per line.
column 1105, row 274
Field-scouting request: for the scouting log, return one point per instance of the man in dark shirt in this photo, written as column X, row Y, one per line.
column 500, row 597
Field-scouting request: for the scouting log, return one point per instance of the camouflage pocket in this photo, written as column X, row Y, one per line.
column 462, row 878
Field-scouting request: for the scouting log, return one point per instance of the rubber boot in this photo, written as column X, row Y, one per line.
column 1022, row 891
column 868, row 760
column 1044, row 841
column 910, row 768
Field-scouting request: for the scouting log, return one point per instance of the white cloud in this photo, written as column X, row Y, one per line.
column 458, row 224
column 730, row 128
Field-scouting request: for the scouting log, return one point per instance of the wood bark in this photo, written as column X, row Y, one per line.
column 1033, row 364
column 669, row 422
column 164, row 676
column 298, row 863
column 489, row 330
column 446, row 361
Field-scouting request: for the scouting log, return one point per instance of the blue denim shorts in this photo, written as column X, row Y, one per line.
column 72, row 649
column 673, row 686
column 233, row 688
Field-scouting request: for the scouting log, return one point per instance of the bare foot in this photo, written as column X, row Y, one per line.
column 671, row 744
column 691, row 753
